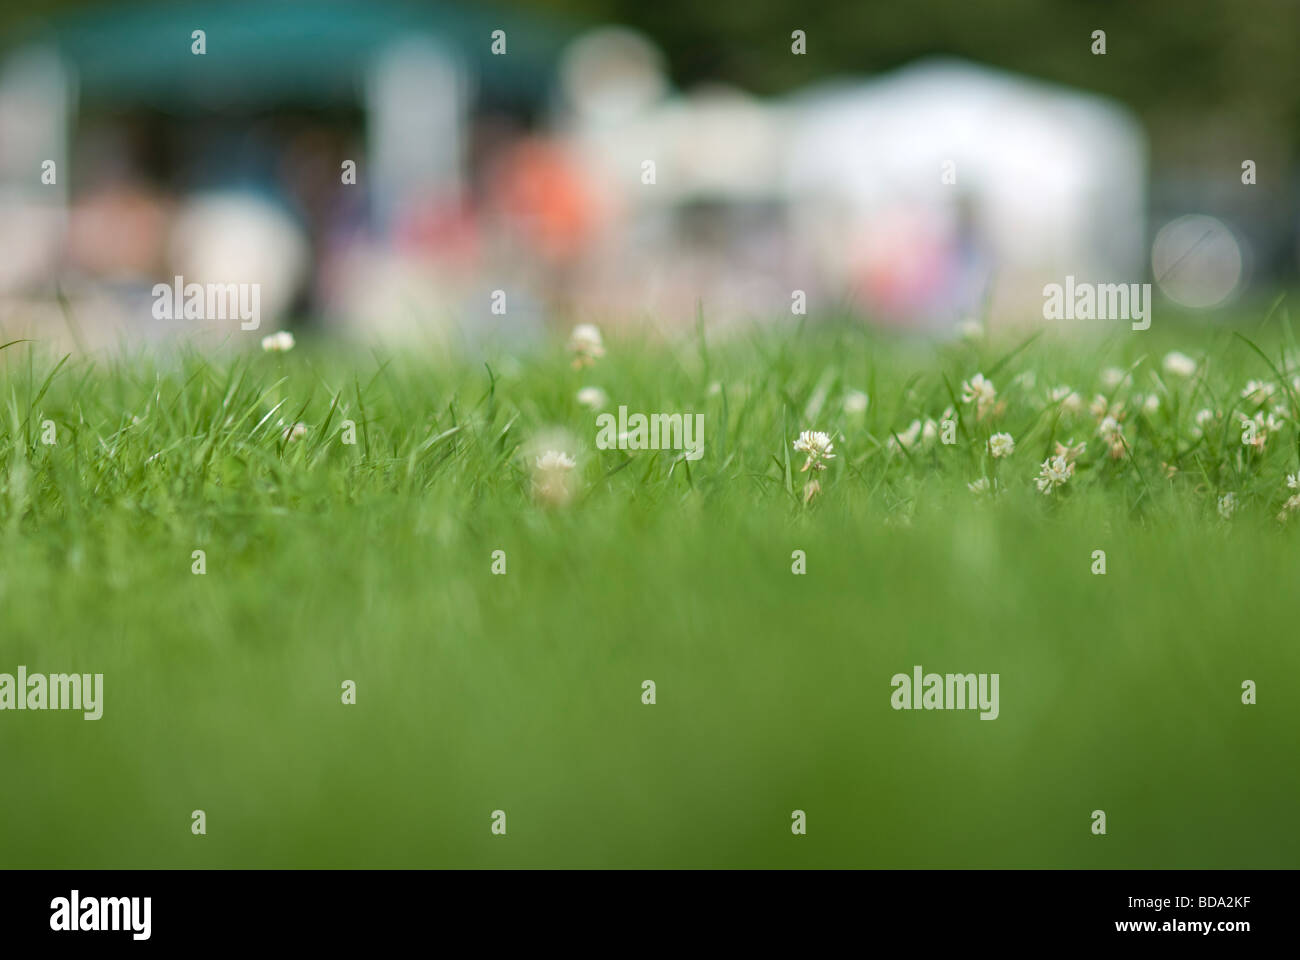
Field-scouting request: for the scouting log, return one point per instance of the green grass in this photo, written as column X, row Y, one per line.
column 372, row 562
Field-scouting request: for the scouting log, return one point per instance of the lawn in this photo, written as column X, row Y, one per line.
column 373, row 562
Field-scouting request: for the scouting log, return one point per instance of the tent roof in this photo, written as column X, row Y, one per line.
column 262, row 52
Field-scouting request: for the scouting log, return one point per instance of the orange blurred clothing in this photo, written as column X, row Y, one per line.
column 541, row 191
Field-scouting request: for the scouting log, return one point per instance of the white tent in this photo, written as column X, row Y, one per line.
column 945, row 187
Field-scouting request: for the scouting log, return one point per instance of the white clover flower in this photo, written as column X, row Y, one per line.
column 295, row 432
column 279, row 342
column 1070, row 401
column 1054, row 472
column 1001, row 445
column 1028, row 379
column 1112, row 377
column 555, row 460
column 592, row 397
column 1179, row 364
column 1258, row 391
column 970, row 329
column 1101, row 408
column 1112, row 432
column 1261, row 426
column 1227, row 505
column 855, row 401
column 929, row 433
column 980, row 486
column 553, row 478
column 817, row 446
column 1204, row 418
column 907, row 438
column 586, row 345
column 1151, row 404
column 1070, row 450
column 1293, row 502
column 979, row 391
column 714, row 388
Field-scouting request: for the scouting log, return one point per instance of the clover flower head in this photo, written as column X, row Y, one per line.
column 1179, row 364
column 279, row 342
column 1258, row 391
column 555, row 460
column 1255, row 430
column 1054, row 473
column 979, row 390
column 592, row 397
column 554, row 482
column 929, row 432
column 818, row 447
column 905, row 439
column 586, row 345
column 1070, row 401
column 1101, row 408
column 855, row 401
column 1227, row 505
column 1070, row 450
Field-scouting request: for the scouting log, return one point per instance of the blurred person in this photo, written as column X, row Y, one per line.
column 118, row 232
column 235, row 236
column 537, row 188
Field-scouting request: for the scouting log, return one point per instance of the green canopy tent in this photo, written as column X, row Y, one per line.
column 414, row 73
column 261, row 53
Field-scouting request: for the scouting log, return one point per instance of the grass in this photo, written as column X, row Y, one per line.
column 371, row 562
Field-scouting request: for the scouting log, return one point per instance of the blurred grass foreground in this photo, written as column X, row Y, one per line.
column 204, row 531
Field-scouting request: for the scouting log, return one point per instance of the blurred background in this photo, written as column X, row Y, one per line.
column 381, row 168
